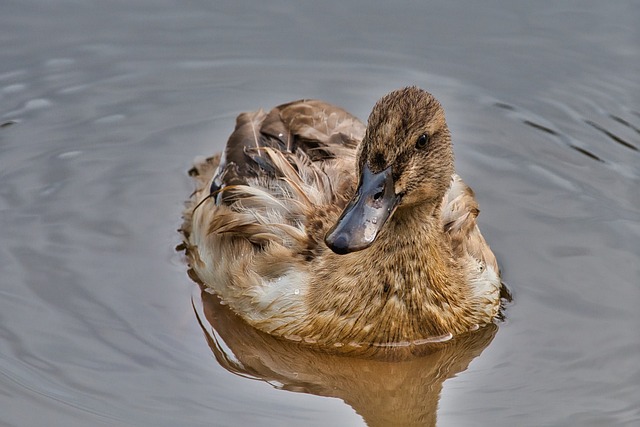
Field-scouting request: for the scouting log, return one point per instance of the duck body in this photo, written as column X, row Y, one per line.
column 313, row 227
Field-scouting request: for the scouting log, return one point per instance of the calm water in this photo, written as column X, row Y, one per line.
column 104, row 105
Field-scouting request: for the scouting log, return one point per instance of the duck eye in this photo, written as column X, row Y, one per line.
column 422, row 141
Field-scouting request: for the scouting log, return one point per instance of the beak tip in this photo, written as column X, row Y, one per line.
column 338, row 243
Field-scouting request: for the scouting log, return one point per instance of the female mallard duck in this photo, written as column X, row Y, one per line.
column 313, row 228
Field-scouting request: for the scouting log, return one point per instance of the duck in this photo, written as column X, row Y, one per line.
column 314, row 227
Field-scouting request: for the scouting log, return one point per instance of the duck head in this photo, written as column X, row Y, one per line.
column 404, row 162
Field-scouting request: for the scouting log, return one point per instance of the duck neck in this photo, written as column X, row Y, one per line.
column 417, row 249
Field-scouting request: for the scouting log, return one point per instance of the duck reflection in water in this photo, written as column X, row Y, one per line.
column 387, row 386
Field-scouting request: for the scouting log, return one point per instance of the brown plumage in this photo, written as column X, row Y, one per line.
column 313, row 228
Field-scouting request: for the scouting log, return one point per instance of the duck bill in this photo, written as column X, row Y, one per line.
column 365, row 215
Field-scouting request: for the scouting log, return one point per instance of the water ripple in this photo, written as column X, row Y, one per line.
column 611, row 135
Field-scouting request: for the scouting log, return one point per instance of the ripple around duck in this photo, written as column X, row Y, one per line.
column 8, row 123
column 552, row 132
column 611, row 135
column 625, row 123
column 568, row 129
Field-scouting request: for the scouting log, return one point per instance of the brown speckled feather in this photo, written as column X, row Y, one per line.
column 459, row 213
column 283, row 169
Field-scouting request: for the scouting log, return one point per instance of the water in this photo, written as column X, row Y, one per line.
column 103, row 107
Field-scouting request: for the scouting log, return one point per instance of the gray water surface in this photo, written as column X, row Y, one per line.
column 104, row 106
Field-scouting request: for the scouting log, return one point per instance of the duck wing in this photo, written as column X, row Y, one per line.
column 319, row 130
column 285, row 175
column 459, row 214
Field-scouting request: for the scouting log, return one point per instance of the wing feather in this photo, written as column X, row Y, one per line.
column 281, row 168
column 459, row 218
